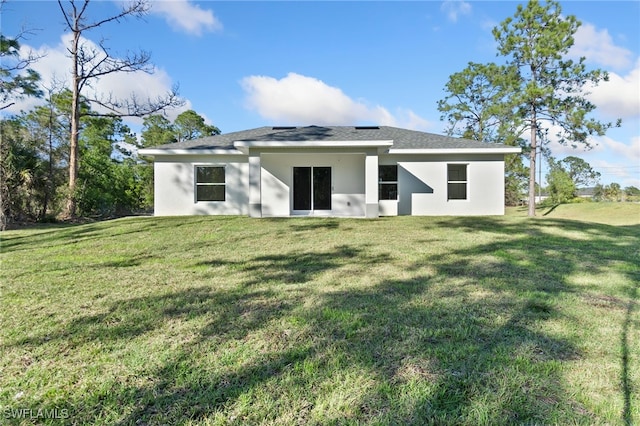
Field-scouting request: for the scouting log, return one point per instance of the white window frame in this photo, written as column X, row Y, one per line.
column 196, row 184
column 465, row 182
column 387, row 182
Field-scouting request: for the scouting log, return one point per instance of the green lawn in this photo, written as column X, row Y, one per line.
column 407, row 320
column 603, row 212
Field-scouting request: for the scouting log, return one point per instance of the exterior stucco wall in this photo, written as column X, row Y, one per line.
column 174, row 187
column 347, row 181
column 422, row 185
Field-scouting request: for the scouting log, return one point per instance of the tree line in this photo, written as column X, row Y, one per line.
column 112, row 180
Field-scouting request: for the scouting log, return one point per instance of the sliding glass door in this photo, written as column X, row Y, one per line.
column 311, row 188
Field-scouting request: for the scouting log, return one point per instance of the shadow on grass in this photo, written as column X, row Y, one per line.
column 229, row 314
column 457, row 340
column 625, row 343
column 172, row 400
column 51, row 235
column 329, row 224
column 551, row 209
column 551, row 257
column 295, row 267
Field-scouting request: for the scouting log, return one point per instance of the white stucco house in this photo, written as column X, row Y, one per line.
column 346, row 171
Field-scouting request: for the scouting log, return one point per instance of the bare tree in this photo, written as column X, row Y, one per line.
column 90, row 63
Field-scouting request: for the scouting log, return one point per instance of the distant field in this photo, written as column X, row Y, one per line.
column 406, row 320
column 607, row 213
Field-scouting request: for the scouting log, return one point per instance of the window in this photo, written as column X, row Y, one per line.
column 388, row 182
column 210, row 183
column 456, row 181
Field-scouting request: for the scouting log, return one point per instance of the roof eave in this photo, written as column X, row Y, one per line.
column 242, row 148
column 506, row 150
column 153, row 152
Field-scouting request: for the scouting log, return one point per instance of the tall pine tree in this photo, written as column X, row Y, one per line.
column 546, row 90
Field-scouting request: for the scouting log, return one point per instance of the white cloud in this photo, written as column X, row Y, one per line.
column 413, row 121
column 620, row 96
column 630, row 152
column 55, row 65
column 597, row 46
column 598, row 145
column 185, row 16
column 302, row 100
column 454, row 9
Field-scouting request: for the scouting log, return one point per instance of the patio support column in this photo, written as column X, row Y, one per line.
column 371, row 184
column 255, row 193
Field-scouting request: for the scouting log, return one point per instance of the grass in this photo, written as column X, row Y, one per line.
column 602, row 212
column 407, row 320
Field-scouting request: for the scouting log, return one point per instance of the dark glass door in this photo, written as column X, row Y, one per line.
column 322, row 188
column 312, row 188
column 302, row 188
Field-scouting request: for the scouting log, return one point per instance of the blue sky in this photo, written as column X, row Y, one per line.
column 248, row 64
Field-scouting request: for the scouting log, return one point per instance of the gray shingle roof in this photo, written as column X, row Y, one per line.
column 402, row 138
